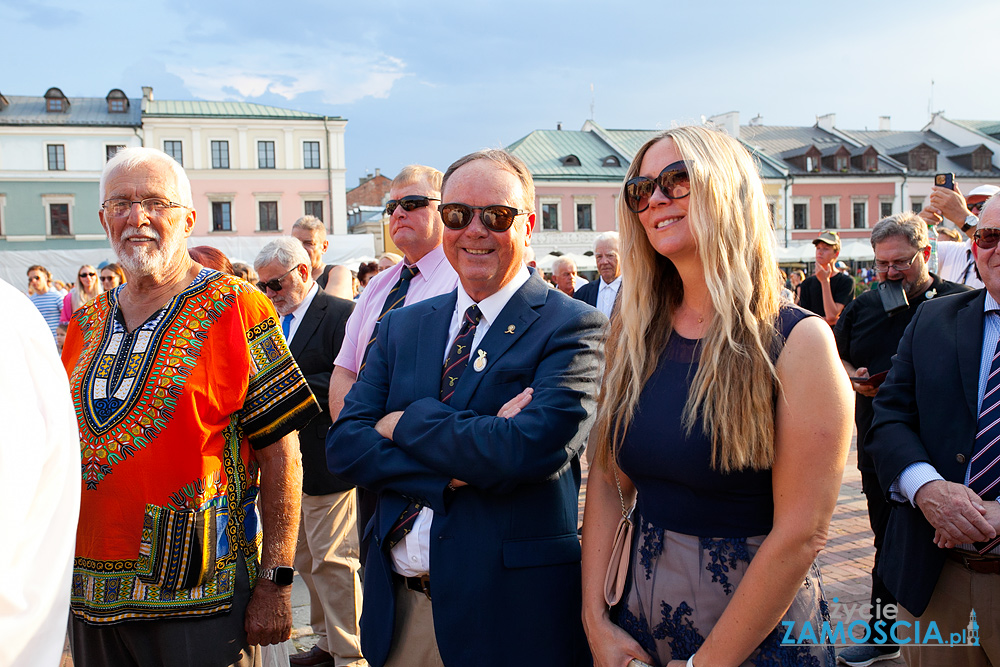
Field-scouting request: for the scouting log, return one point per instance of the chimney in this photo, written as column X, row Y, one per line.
column 378, row 172
column 729, row 122
column 884, row 123
column 147, row 93
column 757, row 120
column 826, row 122
column 559, row 126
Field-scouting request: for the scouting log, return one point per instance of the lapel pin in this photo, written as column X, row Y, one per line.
column 510, row 329
column 480, row 363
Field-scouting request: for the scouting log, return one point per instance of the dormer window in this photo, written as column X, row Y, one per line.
column 55, row 101
column 870, row 163
column 611, row 161
column 570, row 161
column 810, row 163
column 117, row 101
column 841, row 163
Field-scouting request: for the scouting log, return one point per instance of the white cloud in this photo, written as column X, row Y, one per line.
column 339, row 77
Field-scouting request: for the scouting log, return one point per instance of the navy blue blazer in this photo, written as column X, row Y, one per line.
column 926, row 411
column 588, row 293
column 505, row 557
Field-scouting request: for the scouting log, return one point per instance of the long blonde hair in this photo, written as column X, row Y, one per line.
column 734, row 387
column 81, row 297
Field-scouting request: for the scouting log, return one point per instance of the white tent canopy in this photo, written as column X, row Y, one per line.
column 347, row 249
column 583, row 262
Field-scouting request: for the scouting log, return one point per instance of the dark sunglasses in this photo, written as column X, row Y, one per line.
column 978, row 206
column 987, row 238
column 87, row 275
column 409, row 203
column 673, row 182
column 107, row 278
column 274, row 283
column 496, row 218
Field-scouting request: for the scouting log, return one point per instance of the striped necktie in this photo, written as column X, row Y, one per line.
column 395, row 299
column 984, row 468
column 458, row 355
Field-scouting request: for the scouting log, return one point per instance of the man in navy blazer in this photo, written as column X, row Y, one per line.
column 481, row 461
column 602, row 293
column 923, row 440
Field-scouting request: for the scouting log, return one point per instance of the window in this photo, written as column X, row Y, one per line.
column 116, row 105
column 314, row 208
column 175, row 149
column 810, row 164
column 54, row 104
column 59, row 219
column 916, row 205
column 611, row 161
column 222, row 220
column 841, row 163
column 859, row 212
column 57, row 157
column 584, row 217
column 885, row 209
column 550, row 217
column 800, row 216
column 265, row 155
column 771, row 211
column 220, row 155
column 268, row 216
column 111, row 149
column 310, row 155
column 829, row 216
column 570, row 161
column 871, row 163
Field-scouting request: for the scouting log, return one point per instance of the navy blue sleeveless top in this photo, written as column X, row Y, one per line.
column 678, row 488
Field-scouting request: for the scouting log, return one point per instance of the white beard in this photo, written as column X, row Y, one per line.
column 143, row 260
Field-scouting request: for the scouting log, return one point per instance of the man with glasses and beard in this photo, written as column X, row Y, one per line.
column 188, row 401
column 935, row 441
column 415, row 227
column 468, row 421
column 867, row 337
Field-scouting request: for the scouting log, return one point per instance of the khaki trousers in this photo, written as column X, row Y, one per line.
column 957, row 593
column 326, row 557
column 413, row 641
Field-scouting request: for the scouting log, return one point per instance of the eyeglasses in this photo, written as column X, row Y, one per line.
column 87, row 275
column 274, row 284
column 409, row 203
column 496, row 218
column 108, row 279
column 987, row 238
column 883, row 267
column 151, row 206
column 673, row 182
column 978, row 206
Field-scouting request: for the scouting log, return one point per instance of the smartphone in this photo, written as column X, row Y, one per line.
column 872, row 381
column 945, row 180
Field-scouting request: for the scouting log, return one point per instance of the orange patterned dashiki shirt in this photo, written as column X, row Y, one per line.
column 170, row 415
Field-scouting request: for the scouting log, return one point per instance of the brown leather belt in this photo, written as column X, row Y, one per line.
column 421, row 584
column 976, row 563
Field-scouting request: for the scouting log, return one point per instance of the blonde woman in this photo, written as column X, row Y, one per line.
column 86, row 290
column 727, row 410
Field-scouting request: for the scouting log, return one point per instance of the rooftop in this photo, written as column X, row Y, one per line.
column 81, row 111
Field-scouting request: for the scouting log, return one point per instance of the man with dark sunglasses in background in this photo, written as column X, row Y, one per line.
column 956, row 261
column 415, row 227
column 469, row 420
column 935, row 441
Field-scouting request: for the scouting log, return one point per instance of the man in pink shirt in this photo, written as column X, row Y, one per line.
column 415, row 227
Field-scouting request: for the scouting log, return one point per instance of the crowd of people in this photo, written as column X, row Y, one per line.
column 409, row 437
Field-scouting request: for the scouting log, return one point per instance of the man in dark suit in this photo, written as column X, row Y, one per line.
column 468, row 420
column 603, row 292
column 326, row 555
column 936, row 447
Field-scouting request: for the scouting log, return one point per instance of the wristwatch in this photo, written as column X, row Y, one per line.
column 970, row 222
column 281, row 575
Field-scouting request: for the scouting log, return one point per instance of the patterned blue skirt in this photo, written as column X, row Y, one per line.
column 679, row 585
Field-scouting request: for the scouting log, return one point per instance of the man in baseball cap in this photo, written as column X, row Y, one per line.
column 827, row 291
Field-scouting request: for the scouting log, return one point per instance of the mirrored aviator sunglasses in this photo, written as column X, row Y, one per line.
column 496, row 218
column 987, row 238
column 673, row 182
column 408, row 203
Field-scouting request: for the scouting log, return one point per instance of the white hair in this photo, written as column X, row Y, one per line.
column 287, row 251
column 563, row 261
column 606, row 236
column 138, row 156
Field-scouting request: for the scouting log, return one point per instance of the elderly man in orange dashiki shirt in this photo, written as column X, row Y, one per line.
column 188, row 403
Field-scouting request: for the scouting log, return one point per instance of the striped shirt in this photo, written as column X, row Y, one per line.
column 50, row 306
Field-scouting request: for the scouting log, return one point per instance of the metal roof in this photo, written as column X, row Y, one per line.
column 544, row 150
column 990, row 127
column 890, row 142
column 188, row 108
column 91, row 111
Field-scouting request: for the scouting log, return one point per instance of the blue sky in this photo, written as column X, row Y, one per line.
column 429, row 82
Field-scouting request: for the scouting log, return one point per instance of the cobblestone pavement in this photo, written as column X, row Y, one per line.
column 845, row 563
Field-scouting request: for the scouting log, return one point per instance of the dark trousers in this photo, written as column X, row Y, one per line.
column 215, row 641
column 878, row 517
